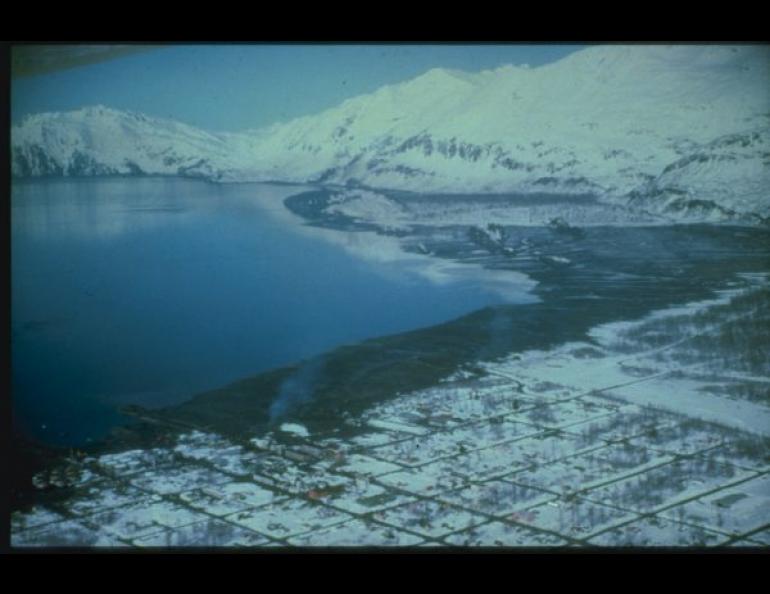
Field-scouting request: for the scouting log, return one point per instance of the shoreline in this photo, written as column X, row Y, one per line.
column 609, row 201
column 425, row 356
column 520, row 453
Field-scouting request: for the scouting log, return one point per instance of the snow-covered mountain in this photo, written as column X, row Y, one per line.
column 102, row 141
column 682, row 131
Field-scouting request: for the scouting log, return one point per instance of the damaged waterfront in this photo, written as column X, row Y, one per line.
column 609, row 413
column 530, row 450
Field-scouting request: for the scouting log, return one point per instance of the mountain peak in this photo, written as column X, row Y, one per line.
column 609, row 121
column 446, row 75
column 99, row 110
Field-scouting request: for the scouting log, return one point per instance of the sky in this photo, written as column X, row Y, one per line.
column 237, row 87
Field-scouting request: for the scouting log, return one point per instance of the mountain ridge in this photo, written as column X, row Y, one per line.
column 645, row 126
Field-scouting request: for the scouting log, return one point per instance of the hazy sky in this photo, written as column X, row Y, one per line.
column 235, row 87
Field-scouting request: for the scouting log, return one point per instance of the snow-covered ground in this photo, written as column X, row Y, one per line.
column 390, row 213
column 680, row 132
column 656, row 377
column 591, row 444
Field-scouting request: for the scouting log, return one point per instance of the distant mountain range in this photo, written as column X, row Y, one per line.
column 682, row 131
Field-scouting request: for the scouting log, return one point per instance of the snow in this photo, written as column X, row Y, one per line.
column 669, row 484
column 295, row 429
column 497, row 498
column 138, row 519
column 208, row 533
column 577, row 519
column 104, row 496
column 542, row 450
column 378, row 438
column 393, row 426
column 641, row 378
column 503, row 535
column 369, row 207
column 69, row 533
column 657, row 532
column 761, row 538
column 35, row 517
column 365, row 465
column 429, row 518
column 731, row 511
column 588, row 470
column 208, row 501
column 289, row 518
column 356, row 533
column 177, row 479
column 430, row 479
column 680, row 132
column 742, row 415
column 364, row 497
column 528, row 211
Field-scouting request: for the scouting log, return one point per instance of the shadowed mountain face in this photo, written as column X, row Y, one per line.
column 681, row 131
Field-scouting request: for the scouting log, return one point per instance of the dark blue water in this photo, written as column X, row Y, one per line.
column 149, row 291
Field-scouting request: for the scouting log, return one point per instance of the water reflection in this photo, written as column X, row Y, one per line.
column 385, row 251
column 153, row 290
column 92, row 210
column 98, row 210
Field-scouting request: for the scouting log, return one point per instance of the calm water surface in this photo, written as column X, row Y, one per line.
column 148, row 291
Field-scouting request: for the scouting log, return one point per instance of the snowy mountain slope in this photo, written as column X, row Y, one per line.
column 601, row 120
column 103, row 141
column 649, row 124
column 726, row 178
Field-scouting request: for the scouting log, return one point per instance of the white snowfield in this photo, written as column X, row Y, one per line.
column 682, row 131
